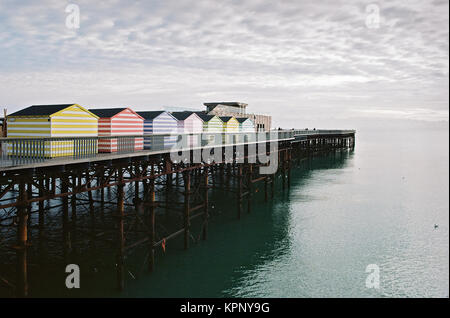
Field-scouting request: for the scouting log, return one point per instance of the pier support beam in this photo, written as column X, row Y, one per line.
column 65, row 218
column 121, row 238
column 239, row 192
column 151, row 263
column 250, row 187
column 206, row 203
column 187, row 193
column 41, row 221
column 22, row 242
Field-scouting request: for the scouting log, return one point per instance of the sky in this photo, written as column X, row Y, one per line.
column 305, row 62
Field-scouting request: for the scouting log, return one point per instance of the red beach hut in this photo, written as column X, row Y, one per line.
column 119, row 121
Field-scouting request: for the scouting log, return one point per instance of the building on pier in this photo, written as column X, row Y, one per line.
column 159, row 122
column 230, row 125
column 62, row 120
column 236, row 109
column 246, row 124
column 119, row 121
column 189, row 123
column 212, row 124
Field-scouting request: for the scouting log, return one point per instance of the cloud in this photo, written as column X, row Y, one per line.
column 299, row 55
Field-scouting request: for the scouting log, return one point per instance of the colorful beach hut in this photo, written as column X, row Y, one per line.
column 230, row 125
column 119, row 122
column 62, row 120
column 159, row 122
column 189, row 123
column 246, row 126
column 212, row 124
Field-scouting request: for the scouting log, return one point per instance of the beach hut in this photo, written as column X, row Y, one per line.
column 189, row 123
column 230, row 125
column 119, row 121
column 246, row 128
column 212, row 124
column 246, row 125
column 63, row 120
column 159, row 122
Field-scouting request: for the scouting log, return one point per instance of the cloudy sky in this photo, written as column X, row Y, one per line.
column 306, row 62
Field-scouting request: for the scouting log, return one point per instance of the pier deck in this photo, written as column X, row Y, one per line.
column 38, row 193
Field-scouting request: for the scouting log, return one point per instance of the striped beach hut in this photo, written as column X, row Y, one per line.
column 119, row 121
column 62, row 120
column 159, row 122
column 230, row 125
column 246, row 125
column 189, row 123
column 212, row 124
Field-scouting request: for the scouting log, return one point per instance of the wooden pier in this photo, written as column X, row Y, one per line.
column 149, row 181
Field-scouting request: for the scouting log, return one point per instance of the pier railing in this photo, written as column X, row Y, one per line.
column 16, row 151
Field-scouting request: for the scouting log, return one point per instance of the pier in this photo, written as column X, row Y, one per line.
column 139, row 188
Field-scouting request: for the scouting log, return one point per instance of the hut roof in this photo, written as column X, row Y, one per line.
column 152, row 114
column 41, row 110
column 205, row 117
column 111, row 112
column 182, row 115
column 242, row 119
column 226, row 118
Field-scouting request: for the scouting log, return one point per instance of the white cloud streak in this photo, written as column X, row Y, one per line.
column 300, row 56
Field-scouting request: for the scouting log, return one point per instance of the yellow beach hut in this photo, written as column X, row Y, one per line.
column 52, row 121
column 230, row 125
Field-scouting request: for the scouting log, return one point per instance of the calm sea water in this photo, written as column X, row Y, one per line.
column 375, row 205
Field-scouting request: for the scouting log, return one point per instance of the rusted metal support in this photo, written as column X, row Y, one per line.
column 239, row 192
column 54, row 185
column 29, row 195
column 136, row 183
column 206, row 203
column 65, row 218
column 250, row 183
column 73, row 205
column 41, row 220
column 91, row 200
column 22, row 242
column 151, row 197
column 187, row 192
column 121, row 237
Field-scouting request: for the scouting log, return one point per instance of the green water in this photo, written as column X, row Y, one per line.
column 376, row 205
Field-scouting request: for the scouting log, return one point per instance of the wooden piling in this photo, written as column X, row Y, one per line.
column 206, row 203
column 121, row 238
column 239, row 193
column 250, row 187
column 151, row 263
column 187, row 190
column 65, row 218
column 22, row 240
